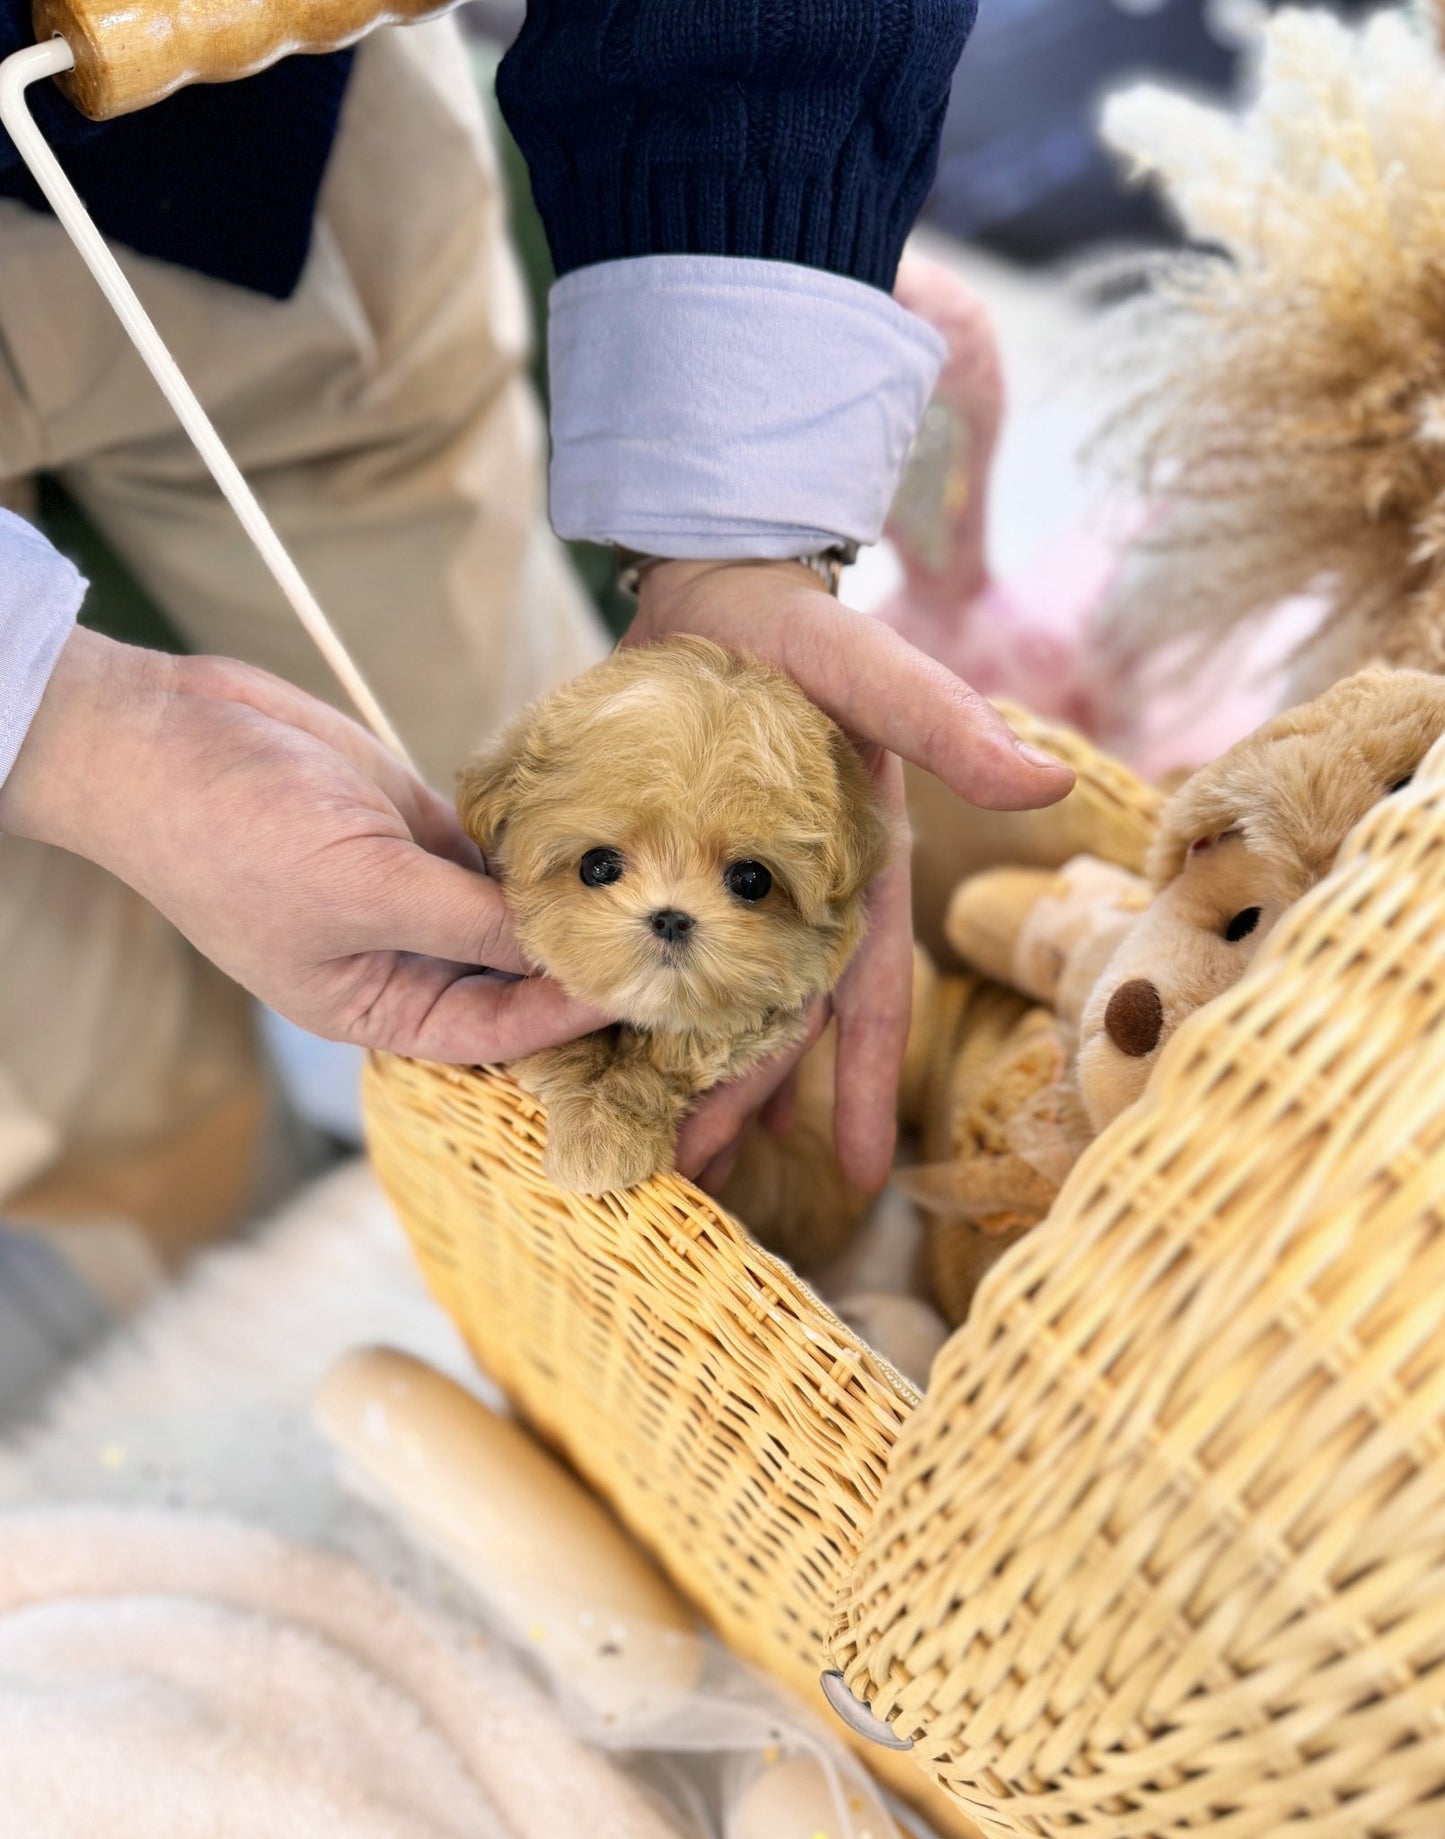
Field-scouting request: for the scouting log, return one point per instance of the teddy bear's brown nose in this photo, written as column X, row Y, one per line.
column 1134, row 1019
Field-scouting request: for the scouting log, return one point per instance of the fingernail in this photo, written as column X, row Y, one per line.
column 1035, row 756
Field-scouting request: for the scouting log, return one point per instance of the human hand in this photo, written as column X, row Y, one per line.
column 288, row 846
column 898, row 705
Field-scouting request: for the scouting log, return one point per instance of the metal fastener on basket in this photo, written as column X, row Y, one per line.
column 857, row 1716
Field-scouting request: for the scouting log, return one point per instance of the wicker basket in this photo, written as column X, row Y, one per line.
column 1163, row 1549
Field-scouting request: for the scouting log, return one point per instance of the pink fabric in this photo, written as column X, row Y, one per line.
column 1031, row 639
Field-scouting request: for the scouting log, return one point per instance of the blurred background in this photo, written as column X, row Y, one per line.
column 1021, row 173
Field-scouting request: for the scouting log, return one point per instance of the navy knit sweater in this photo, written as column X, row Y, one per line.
column 221, row 178
column 800, row 131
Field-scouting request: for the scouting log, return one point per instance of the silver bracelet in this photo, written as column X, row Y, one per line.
column 826, row 564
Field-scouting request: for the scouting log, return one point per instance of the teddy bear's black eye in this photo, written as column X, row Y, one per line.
column 1400, row 784
column 748, row 880
column 601, row 867
column 1242, row 925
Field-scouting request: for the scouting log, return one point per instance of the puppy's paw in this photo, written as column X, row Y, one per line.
column 531, row 1075
column 560, row 1073
column 589, row 1152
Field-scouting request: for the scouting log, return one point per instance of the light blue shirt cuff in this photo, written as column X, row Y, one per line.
column 716, row 408
column 40, row 595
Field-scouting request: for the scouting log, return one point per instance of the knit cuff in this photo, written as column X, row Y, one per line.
column 799, row 131
column 716, row 409
column 40, row 595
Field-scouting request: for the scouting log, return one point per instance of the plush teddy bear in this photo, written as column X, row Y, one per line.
column 1120, row 963
column 1015, row 1130
column 1241, row 841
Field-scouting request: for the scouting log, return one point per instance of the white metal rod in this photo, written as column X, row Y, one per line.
column 17, row 73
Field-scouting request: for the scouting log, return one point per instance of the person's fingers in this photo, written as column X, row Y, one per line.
column 881, row 689
column 713, row 1178
column 400, row 898
column 434, row 824
column 872, row 1004
column 722, row 1113
column 435, row 1011
column 430, row 817
column 779, row 1113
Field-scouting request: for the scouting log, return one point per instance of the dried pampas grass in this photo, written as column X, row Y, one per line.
column 1282, row 390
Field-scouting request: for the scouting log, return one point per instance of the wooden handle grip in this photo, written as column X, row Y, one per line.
column 130, row 53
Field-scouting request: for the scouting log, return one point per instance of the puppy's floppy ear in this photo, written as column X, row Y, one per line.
column 486, row 788
column 857, row 837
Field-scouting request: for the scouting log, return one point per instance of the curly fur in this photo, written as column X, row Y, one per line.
column 683, row 758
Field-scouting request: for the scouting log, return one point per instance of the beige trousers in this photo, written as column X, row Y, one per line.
column 384, row 417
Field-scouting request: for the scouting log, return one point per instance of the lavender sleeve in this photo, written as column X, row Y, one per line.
column 40, row 595
column 716, row 407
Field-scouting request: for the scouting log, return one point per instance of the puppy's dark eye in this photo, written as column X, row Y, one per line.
column 1242, row 925
column 1400, row 784
column 599, row 868
column 748, row 880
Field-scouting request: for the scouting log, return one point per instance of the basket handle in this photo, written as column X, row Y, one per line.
column 131, row 53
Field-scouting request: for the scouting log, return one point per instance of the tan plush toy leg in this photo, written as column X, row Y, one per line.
column 1111, row 814
column 1017, row 1128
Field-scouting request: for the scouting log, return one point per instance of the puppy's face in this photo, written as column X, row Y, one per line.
column 684, row 839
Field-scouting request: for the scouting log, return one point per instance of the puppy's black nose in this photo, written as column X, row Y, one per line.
column 1134, row 1019
column 668, row 923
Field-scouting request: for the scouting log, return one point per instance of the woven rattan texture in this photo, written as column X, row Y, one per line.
column 730, row 1420
column 1112, row 813
column 694, row 1380
column 1163, row 1551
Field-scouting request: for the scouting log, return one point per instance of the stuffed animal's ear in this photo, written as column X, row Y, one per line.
column 1206, row 809
column 486, row 787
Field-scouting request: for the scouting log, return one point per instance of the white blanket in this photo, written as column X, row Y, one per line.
column 170, row 1674
column 107, row 1603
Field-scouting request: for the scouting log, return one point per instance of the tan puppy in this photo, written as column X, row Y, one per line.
column 1242, row 840
column 686, row 842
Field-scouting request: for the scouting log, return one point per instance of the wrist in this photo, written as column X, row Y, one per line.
column 827, row 564
column 667, row 581
column 103, row 703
